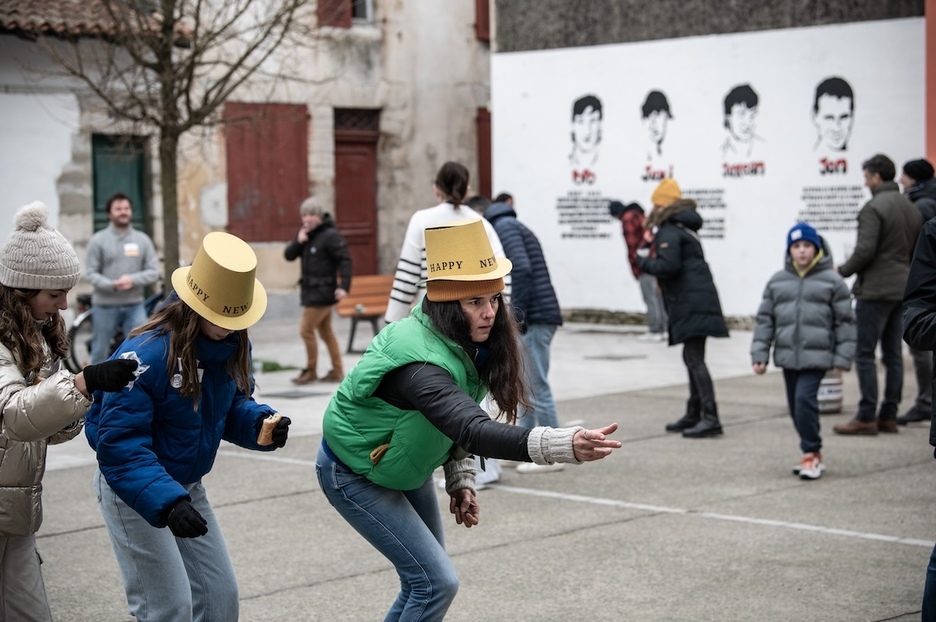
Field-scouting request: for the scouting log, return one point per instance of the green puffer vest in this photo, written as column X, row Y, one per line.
column 356, row 423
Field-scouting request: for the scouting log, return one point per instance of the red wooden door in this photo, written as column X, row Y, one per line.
column 356, row 185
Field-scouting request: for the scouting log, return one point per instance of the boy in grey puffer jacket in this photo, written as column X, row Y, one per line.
column 806, row 313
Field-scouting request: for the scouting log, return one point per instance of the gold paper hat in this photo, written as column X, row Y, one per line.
column 221, row 284
column 460, row 262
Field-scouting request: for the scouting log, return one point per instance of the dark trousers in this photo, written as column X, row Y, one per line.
column 802, row 388
column 700, row 382
column 879, row 321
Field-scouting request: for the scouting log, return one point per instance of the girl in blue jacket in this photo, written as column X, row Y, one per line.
column 156, row 441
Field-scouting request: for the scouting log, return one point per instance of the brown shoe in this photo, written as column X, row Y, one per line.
column 332, row 376
column 305, row 377
column 857, row 426
column 887, row 426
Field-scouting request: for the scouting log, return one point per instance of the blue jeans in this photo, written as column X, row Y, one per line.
column 105, row 320
column 802, row 388
column 929, row 591
column 879, row 320
column 168, row 578
column 406, row 527
column 538, row 340
column 653, row 298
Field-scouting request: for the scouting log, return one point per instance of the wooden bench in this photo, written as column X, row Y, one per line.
column 367, row 301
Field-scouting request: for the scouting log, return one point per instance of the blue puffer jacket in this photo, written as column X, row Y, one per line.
column 532, row 296
column 150, row 440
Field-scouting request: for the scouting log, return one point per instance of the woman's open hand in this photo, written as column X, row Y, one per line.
column 590, row 445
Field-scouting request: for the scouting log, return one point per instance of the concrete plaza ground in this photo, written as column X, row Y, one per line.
column 665, row 529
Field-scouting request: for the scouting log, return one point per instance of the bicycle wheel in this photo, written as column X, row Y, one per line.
column 79, row 335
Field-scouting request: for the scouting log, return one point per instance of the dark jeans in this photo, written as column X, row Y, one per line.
column 929, row 591
column 802, row 388
column 700, row 382
column 879, row 321
column 923, row 367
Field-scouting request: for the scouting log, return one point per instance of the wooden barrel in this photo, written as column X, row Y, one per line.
column 830, row 393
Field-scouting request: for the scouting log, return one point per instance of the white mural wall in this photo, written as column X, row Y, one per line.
column 761, row 129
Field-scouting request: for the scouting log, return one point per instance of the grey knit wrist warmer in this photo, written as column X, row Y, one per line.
column 549, row 445
column 459, row 474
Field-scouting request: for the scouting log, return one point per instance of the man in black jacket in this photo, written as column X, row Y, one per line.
column 919, row 322
column 325, row 255
column 920, row 187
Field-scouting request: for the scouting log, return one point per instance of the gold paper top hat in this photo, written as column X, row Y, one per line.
column 221, row 284
column 460, row 262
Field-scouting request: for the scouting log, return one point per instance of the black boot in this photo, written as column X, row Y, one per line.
column 692, row 417
column 709, row 426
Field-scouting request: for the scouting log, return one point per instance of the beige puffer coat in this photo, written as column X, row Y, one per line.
column 36, row 410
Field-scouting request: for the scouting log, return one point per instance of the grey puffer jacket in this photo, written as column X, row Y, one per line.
column 809, row 319
column 37, row 409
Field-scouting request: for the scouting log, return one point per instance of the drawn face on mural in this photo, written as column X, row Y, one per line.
column 586, row 130
column 741, row 122
column 833, row 121
column 656, row 115
column 656, row 125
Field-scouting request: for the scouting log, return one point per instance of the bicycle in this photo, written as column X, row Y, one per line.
column 81, row 331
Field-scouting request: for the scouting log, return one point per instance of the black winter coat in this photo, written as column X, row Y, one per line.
column 533, row 297
column 689, row 292
column 324, row 256
column 923, row 196
column 919, row 302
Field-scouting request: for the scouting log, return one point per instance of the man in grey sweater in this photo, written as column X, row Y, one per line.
column 121, row 262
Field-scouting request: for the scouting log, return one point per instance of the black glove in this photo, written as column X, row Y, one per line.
column 281, row 431
column 184, row 521
column 109, row 375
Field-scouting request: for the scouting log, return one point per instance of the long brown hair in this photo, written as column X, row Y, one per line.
column 23, row 335
column 504, row 374
column 184, row 325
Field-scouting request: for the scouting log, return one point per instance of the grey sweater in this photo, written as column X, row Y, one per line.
column 112, row 254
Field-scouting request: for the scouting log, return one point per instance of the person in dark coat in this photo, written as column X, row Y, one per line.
column 888, row 228
column 919, row 331
column 692, row 305
column 920, row 187
column 537, row 309
column 325, row 256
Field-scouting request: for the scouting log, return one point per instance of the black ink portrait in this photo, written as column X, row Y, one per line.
column 586, row 137
column 740, row 121
column 656, row 115
column 833, row 114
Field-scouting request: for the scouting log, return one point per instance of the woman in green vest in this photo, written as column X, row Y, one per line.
column 411, row 405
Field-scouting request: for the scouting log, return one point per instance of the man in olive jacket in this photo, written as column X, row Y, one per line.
column 888, row 227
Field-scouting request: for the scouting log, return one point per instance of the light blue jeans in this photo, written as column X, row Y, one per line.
column 105, row 320
column 656, row 312
column 538, row 340
column 406, row 527
column 169, row 579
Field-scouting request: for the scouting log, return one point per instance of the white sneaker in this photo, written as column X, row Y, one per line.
column 651, row 337
column 532, row 467
column 811, row 467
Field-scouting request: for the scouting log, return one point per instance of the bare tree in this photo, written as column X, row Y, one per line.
column 171, row 65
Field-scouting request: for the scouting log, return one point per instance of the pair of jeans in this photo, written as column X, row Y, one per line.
column 169, row 578
column 700, row 381
column 923, row 368
column 653, row 298
column 929, row 591
column 320, row 319
column 802, row 392
column 106, row 319
column 538, row 340
column 406, row 527
column 879, row 321
column 22, row 590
